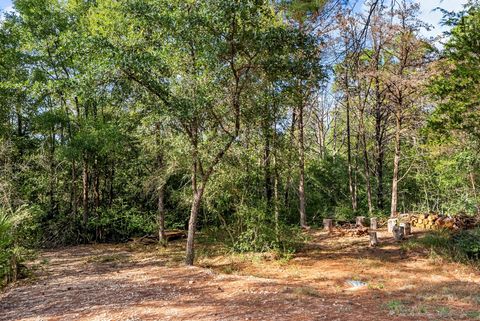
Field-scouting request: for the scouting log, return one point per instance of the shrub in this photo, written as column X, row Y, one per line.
column 461, row 246
column 258, row 233
column 468, row 243
column 120, row 223
column 15, row 232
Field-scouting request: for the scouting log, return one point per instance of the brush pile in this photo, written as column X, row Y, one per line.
column 350, row 229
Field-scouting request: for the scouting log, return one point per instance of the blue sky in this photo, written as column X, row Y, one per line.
column 5, row 4
column 428, row 13
column 430, row 16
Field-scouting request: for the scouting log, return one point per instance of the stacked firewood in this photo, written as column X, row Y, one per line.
column 434, row 221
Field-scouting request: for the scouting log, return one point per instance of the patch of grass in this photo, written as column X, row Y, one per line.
column 443, row 311
column 433, row 241
column 395, row 307
column 230, row 269
column 473, row 315
column 476, row 299
column 462, row 246
column 376, row 286
column 306, row 291
column 422, row 309
column 113, row 258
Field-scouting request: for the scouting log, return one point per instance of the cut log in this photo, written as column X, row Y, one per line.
column 373, row 223
column 392, row 222
column 406, row 228
column 328, row 225
column 360, row 222
column 174, row 235
column 373, row 239
column 398, row 232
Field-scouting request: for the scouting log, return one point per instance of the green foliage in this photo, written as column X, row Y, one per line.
column 468, row 243
column 16, row 229
column 327, row 192
column 395, row 307
column 457, row 84
column 257, row 232
column 462, row 246
column 121, row 223
column 107, row 105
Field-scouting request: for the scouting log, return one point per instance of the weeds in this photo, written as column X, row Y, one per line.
column 462, row 246
column 475, row 315
column 306, row 291
column 395, row 307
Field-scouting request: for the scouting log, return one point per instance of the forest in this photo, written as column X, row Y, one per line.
column 240, row 129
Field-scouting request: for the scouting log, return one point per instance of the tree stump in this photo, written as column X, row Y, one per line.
column 391, row 224
column 328, row 225
column 373, row 223
column 373, row 239
column 407, row 228
column 360, row 222
column 398, row 232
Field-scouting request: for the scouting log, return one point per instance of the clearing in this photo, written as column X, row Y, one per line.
column 137, row 282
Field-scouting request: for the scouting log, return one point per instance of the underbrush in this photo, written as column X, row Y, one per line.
column 282, row 242
column 461, row 246
column 15, row 236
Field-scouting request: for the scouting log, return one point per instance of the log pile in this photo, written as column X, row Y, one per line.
column 350, row 229
column 435, row 221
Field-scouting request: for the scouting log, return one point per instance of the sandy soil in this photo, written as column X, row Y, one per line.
column 133, row 282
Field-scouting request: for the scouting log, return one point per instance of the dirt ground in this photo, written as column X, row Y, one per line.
column 135, row 282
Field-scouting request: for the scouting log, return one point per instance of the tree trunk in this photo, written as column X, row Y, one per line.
column 111, row 193
column 276, row 211
column 366, row 162
column 301, row 167
column 349, row 145
column 161, row 214
column 289, row 173
column 276, row 179
column 266, row 164
column 53, row 176
column 96, row 198
column 474, row 189
column 85, row 190
column 73, row 192
column 379, row 136
column 396, row 163
column 192, row 225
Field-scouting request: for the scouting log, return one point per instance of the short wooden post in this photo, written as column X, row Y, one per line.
column 360, row 222
column 328, row 225
column 398, row 232
column 373, row 239
column 373, row 223
column 407, row 228
column 392, row 222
